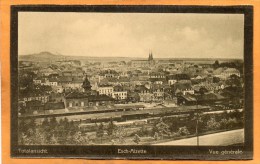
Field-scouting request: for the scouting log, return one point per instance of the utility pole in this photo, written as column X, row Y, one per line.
column 197, row 130
column 197, row 122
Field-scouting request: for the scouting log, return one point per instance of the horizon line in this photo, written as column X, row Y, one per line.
column 58, row 54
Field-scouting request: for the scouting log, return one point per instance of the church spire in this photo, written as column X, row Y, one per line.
column 150, row 56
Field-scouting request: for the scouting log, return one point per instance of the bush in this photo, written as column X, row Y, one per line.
column 232, row 122
column 183, row 131
column 223, row 123
column 136, row 139
column 144, row 131
column 212, row 124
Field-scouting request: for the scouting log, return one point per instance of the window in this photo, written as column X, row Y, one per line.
column 82, row 103
column 70, row 104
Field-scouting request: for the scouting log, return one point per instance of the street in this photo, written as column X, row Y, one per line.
column 217, row 139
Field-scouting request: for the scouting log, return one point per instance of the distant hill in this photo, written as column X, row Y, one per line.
column 41, row 57
column 51, row 57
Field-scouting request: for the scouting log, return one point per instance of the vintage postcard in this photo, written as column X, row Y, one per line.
column 131, row 82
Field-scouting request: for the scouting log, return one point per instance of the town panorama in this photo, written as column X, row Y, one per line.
column 68, row 100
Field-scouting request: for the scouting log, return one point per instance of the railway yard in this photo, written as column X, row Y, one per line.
column 130, row 120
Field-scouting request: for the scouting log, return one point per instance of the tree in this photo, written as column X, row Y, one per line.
column 156, row 136
column 79, row 139
column 31, row 126
column 72, row 128
column 234, row 81
column 136, row 139
column 23, row 139
column 66, row 123
column 232, row 122
column 100, row 130
column 61, row 122
column 111, row 128
column 233, row 92
column 26, row 80
column 183, row 131
column 223, row 123
column 212, row 124
column 53, row 122
column 121, row 133
column 44, row 88
column 203, row 90
column 40, row 137
column 53, row 140
column 161, row 128
column 22, row 126
column 51, row 129
column 216, row 79
column 32, row 123
column 46, row 122
column 143, row 131
column 216, row 64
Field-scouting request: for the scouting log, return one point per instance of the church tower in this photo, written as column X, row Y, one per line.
column 86, row 85
column 150, row 59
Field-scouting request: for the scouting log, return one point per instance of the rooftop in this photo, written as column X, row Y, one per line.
column 76, row 95
column 99, row 98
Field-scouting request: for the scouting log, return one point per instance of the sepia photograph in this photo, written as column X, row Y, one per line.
column 137, row 81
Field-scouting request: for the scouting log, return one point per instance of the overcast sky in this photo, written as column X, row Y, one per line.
column 132, row 34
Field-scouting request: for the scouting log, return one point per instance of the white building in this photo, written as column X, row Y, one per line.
column 119, row 93
column 105, row 90
column 172, row 81
column 230, row 71
column 37, row 81
column 53, row 82
column 190, row 91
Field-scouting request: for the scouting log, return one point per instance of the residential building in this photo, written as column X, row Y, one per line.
column 230, row 71
column 76, row 99
column 37, row 95
column 145, row 94
column 100, row 100
column 183, row 87
column 119, row 93
column 105, row 90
